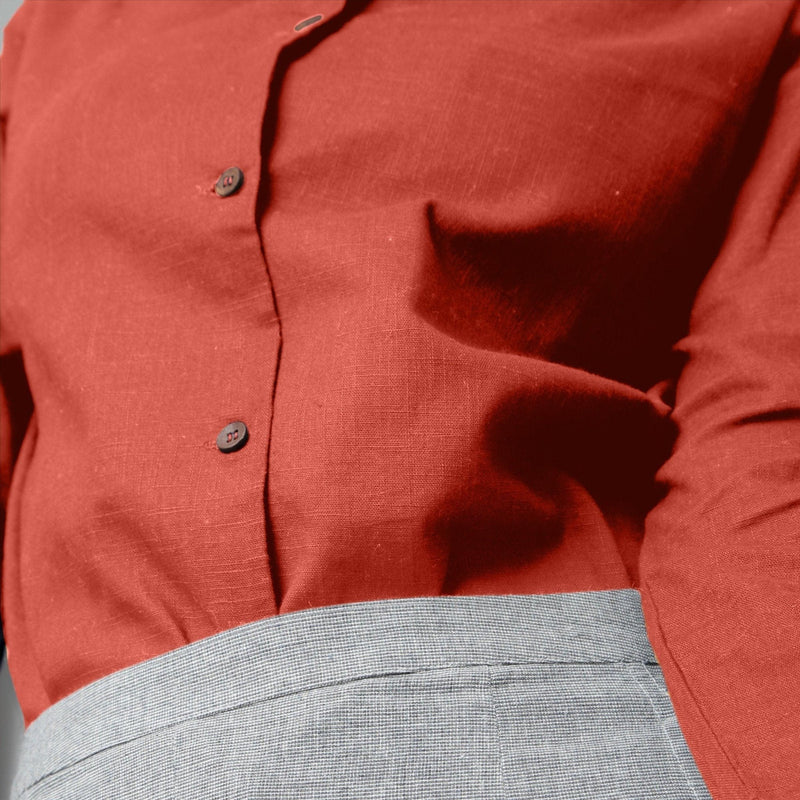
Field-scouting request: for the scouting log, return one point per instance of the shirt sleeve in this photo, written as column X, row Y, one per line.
column 16, row 405
column 720, row 563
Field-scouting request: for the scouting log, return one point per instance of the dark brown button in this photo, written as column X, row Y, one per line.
column 229, row 182
column 307, row 22
column 232, row 437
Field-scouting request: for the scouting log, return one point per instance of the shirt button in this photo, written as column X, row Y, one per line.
column 308, row 22
column 229, row 182
column 232, row 437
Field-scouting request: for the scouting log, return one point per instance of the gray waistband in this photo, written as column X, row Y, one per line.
column 302, row 650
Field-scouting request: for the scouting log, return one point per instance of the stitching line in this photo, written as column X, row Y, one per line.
column 631, row 669
column 501, row 763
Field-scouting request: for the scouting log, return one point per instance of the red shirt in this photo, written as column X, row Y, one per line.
column 507, row 302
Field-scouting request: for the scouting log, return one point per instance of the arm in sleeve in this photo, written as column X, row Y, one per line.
column 15, row 412
column 16, row 406
column 720, row 563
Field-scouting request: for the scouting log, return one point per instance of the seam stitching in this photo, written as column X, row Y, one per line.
column 631, row 669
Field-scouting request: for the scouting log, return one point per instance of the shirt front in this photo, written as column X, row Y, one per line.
column 504, row 300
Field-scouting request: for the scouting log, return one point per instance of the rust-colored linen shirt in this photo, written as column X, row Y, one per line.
column 507, row 301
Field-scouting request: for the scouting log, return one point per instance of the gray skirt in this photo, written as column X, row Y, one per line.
column 488, row 697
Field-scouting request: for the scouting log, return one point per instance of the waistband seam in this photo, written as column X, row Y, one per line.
column 613, row 622
column 211, row 713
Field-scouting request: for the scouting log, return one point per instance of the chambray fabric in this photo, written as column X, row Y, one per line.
column 488, row 696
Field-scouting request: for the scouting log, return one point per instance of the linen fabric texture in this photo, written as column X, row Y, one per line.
column 507, row 301
column 530, row 697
